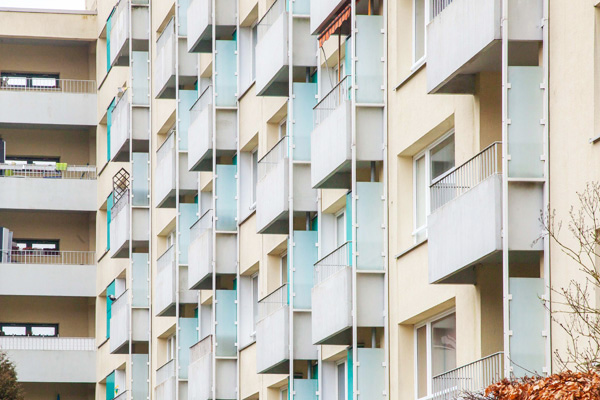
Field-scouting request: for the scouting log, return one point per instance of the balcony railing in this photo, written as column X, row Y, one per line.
column 121, row 396
column 437, row 6
column 333, row 262
column 47, row 256
column 47, row 171
column 47, row 343
column 166, row 260
column 203, row 101
column 459, row 180
column 47, row 85
column 273, row 157
column 472, row 377
column 166, row 372
column 200, row 226
column 272, row 14
column 273, row 302
column 332, row 100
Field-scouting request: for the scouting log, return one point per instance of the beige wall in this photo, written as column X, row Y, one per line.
column 67, row 391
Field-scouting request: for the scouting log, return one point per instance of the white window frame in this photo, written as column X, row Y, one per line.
column 254, row 301
column 170, row 353
column 427, row 154
column 341, row 213
column 427, row 323
column 283, row 133
column 337, row 364
column 283, row 266
column 282, row 396
column 253, row 170
column 418, row 62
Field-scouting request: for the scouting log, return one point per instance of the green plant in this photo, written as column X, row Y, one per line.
column 10, row 389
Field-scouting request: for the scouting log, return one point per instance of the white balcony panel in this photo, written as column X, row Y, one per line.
column 165, row 295
column 332, row 308
column 321, row 12
column 165, row 174
column 199, row 14
column 48, row 194
column 50, row 108
column 464, row 39
column 119, row 228
column 200, row 370
column 119, row 33
column 120, row 324
column 330, row 149
column 124, row 117
column 52, row 359
column 48, row 279
column 165, row 382
column 272, row 341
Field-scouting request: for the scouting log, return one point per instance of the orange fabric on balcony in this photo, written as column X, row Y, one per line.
column 335, row 24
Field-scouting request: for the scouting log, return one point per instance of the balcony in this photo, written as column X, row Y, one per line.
column 225, row 182
column 52, row 359
column 57, row 103
column 371, row 373
column 120, row 232
column 322, row 13
column 464, row 39
column 40, row 187
column 166, row 382
column 125, row 318
column 168, row 46
column 201, row 373
column 120, row 32
column 166, row 290
column 272, row 76
column 200, row 253
column 272, row 202
column 166, row 158
column 200, row 155
column 123, row 117
column 464, row 227
column 471, row 378
column 200, row 14
column 48, row 273
column 273, row 332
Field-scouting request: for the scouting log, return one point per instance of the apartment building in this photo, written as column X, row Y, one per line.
column 306, row 199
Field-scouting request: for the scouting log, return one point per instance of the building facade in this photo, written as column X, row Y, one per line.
column 305, row 199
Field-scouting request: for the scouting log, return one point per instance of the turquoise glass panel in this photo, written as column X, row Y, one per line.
column 369, row 221
column 188, row 336
column 109, row 204
column 314, row 226
column 226, row 314
column 187, row 98
column 140, row 376
column 110, row 386
column 371, row 374
column 141, row 89
column 226, row 79
column 305, row 389
column 183, row 23
column 301, row 7
column 525, row 133
column 110, row 290
column 140, row 179
column 369, row 64
column 304, row 101
column 527, row 314
column 350, row 373
column 305, row 257
column 187, row 218
column 108, row 29
column 140, row 279
column 226, row 192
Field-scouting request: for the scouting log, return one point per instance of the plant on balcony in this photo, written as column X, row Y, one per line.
column 10, row 389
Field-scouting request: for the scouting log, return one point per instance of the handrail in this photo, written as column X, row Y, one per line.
column 84, row 172
column 167, row 259
column 47, row 343
column 333, row 262
column 48, row 256
column 273, row 157
column 273, row 302
column 166, row 146
column 202, row 101
column 471, row 377
column 459, row 180
column 332, row 100
column 276, row 9
column 44, row 84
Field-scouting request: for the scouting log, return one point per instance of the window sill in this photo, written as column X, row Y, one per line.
column 416, row 68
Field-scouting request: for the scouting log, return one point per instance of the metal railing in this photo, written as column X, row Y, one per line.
column 273, row 302
column 47, row 343
column 437, row 6
column 42, row 84
column 332, row 100
column 472, row 377
column 277, row 154
column 272, row 14
column 468, row 175
column 333, row 262
column 47, row 171
column 200, row 226
column 166, row 372
column 48, row 256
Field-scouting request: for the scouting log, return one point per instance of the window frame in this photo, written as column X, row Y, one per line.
column 283, row 266
column 28, row 328
column 254, row 277
column 427, row 323
column 426, row 153
column 416, row 63
column 343, row 362
column 340, row 213
column 254, row 173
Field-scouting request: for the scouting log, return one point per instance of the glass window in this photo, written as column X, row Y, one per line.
column 43, row 331
column 340, row 229
column 28, row 329
column 254, row 174
column 254, row 41
column 341, row 381
column 284, row 269
column 420, row 197
column 442, row 157
column 255, row 299
column 422, row 362
column 283, row 395
column 419, row 30
column 13, row 330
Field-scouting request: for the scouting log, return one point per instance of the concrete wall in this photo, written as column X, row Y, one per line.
column 48, row 194
column 48, row 280
column 75, row 366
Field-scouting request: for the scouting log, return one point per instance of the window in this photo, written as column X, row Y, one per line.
column 170, row 348
column 341, row 379
column 254, row 176
column 255, row 299
column 46, row 161
column 283, row 394
column 254, row 42
column 11, row 329
column 36, row 244
column 340, row 228
column 419, row 29
column 283, row 269
column 435, row 351
column 430, row 166
column 283, row 128
column 170, row 239
column 38, row 81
